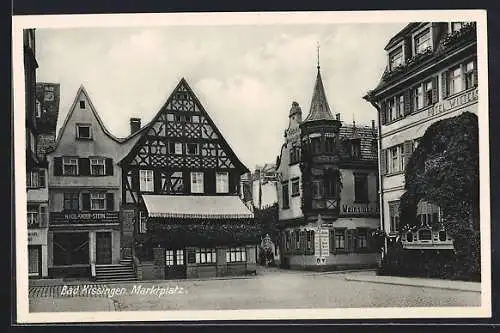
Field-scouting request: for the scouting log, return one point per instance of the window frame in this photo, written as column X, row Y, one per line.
column 143, row 219
column 73, row 198
column 425, row 31
column 222, row 184
column 197, row 178
column 454, row 80
column 236, row 255
column 398, row 50
column 78, row 134
column 148, row 182
column 340, row 233
column 33, row 179
column 65, row 163
column 92, row 164
column 363, row 195
column 394, row 219
column 197, row 150
column 97, row 196
column 202, row 256
column 33, row 216
column 295, row 190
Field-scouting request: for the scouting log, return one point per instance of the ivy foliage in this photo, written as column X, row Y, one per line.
column 268, row 218
column 444, row 170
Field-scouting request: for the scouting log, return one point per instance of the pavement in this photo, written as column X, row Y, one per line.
column 271, row 288
column 418, row 282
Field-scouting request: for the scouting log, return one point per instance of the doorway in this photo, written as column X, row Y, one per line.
column 175, row 263
column 103, row 248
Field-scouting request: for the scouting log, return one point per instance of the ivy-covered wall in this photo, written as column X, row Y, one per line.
column 444, row 170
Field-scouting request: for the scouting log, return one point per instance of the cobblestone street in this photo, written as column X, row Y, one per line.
column 270, row 289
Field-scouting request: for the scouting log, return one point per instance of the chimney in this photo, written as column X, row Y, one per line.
column 337, row 116
column 135, row 125
column 373, row 125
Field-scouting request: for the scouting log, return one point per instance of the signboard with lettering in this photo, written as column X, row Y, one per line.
column 64, row 218
column 454, row 102
column 321, row 245
column 358, row 209
column 37, row 236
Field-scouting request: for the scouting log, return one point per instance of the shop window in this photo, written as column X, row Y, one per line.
column 70, row 166
column 362, row 239
column 222, row 182
column 169, row 257
column 236, row 254
column 340, row 239
column 71, row 248
column 197, row 182
column 97, row 166
column 205, row 256
column 179, row 257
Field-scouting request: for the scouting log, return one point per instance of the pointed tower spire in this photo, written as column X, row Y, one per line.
column 319, row 105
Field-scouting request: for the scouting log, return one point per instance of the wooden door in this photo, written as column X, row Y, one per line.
column 175, row 263
column 103, row 248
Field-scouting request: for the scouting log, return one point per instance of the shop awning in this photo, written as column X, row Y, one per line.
column 196, row 206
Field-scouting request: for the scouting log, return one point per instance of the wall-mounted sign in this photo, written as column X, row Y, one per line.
column 454, row 102
column 321, row 245
column 63, row 218
column 359, row 209
column 37, row 237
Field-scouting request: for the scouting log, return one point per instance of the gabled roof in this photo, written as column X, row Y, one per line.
column 83, row 91
column 319, row 105
column 183, row 81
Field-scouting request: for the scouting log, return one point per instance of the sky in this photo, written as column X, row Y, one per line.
column 246, row 77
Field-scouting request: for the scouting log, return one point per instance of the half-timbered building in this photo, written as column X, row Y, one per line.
column 327, row 189
column 181, row 183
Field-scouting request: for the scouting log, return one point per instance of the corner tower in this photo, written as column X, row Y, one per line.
column 319, row 136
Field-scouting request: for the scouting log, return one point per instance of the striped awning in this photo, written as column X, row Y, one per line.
column 196, row 206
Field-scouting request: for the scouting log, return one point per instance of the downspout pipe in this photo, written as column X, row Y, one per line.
column 381, row 193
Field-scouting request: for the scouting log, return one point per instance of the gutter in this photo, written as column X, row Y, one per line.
column 381, row 194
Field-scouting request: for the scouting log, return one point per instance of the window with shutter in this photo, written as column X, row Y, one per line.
column 110, row 201
column 109, row 166
column 86, row 201
column 383, row 161
column 58, row 168
column 382, row 112
column 84, row 166
column 444, row 84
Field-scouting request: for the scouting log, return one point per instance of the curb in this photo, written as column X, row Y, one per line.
column 412, row 285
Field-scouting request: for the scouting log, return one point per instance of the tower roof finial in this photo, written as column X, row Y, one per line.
column 317, row 50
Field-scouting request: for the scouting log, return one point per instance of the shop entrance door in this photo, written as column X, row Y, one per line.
column 175, row 263
column 103, row 248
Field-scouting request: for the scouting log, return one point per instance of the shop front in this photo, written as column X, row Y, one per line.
column 78, row 240
column 37, row 253
column 198, row 237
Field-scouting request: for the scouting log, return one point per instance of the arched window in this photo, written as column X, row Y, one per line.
column 409, row 237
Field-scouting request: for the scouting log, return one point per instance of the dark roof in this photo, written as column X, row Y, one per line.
column 319, row 105
column 401, row 34
column 366, row 135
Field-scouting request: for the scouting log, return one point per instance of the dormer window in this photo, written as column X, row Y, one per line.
column 422, row 41
column 83, row 131
column 396, row 58
column 356, row 148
